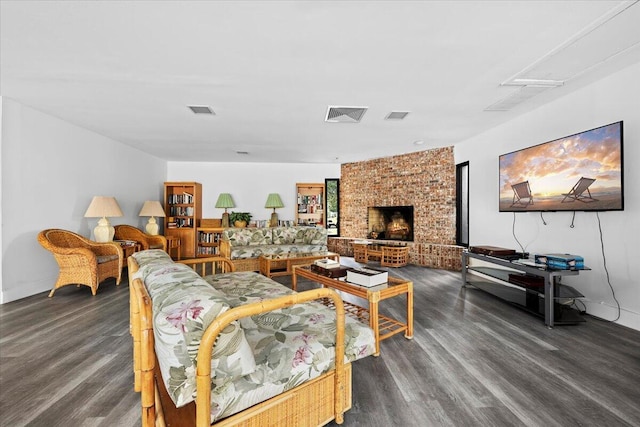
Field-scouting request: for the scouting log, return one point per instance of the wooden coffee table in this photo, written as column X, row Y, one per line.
column 383, row 326
column 284, row 262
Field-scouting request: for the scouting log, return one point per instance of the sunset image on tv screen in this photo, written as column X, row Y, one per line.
column 578, row 172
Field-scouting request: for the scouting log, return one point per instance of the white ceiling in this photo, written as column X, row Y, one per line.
column 128, row 69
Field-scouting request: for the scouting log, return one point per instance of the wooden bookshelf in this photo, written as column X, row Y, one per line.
column 310, row 209
column 208, row 241
column 183, row 207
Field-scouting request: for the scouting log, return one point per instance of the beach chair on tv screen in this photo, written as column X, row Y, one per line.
column 577, row 192
column 522, row 191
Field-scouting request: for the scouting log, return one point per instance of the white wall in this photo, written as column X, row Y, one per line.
column 609, row 100
column 250, row 183
column 50, row 171
column 0, row 194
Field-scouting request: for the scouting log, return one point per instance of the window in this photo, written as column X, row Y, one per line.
column 462, row 204
column 332, row 194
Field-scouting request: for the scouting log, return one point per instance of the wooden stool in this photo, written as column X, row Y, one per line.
column 394, row 256
column 173, row 242
column 360, row 253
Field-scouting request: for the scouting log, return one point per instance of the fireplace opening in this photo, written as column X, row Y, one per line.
column 390, row 223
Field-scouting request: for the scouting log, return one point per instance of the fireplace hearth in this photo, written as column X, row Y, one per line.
column 390, row 223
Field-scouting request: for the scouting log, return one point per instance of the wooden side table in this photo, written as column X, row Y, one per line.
column 383, row 326
column 128, row 249
column 173, row 242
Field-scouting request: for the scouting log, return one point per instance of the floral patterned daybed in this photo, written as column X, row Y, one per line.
column 245, row 245
column 279, row 357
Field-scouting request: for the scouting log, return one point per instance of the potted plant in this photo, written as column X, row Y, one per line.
column 239, row 219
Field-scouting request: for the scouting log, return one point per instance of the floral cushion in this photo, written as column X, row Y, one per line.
column 291, row 345
column 284, row 235
column 288, row 346
column 238, row 237
column 248, row 236
column 315, row 236
column 246, row 252
column 183, row 306
column 246, row 287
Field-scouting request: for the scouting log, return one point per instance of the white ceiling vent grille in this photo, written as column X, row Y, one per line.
column 397, row 115
column 201, row 109
column 345, row 114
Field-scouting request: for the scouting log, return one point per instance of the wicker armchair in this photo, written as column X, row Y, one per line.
column 146, row 241
column 82, row 261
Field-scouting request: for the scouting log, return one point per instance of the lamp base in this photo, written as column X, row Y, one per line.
column 104, row 231
column 274, row 220
column 225, row 220
column 152, row 227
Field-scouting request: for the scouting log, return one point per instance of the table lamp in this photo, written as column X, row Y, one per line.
column 225, row 201
column 103, row 207
column 274, row 201
column 152, row 208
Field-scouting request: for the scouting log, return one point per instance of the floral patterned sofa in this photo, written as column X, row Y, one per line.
column 245, row 245
column 272, row 342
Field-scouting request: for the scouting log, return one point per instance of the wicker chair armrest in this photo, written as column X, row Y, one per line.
column 128, row 233
column 108, row 248
column 85, row 252
column 157, row 240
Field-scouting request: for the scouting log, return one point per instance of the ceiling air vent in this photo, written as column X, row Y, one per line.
column 345, row 114
column 201, row 109
column 396, row 115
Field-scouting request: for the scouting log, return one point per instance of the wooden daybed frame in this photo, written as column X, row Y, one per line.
column 313, row 403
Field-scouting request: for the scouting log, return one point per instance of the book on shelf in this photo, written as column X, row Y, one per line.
column 367, row 276
column 180, row 199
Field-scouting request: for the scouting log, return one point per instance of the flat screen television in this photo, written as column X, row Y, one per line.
column 581, row 172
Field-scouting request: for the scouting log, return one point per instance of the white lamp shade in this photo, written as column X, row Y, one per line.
column 103, row 207
column 152, row 208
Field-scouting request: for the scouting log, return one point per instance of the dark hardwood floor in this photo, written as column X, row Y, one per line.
column 474, row 361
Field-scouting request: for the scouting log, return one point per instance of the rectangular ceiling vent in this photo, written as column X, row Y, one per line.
column 201, row 109
column 396, row 115
column 345, row 114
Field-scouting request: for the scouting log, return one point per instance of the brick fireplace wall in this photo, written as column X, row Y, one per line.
column 426, row 180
